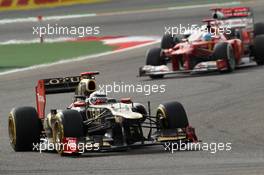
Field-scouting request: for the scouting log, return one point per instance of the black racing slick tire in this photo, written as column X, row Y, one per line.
column 225, row 51
column 68, row 123
column 171, row 115
column 154, row 58
column 24, row 128
column 167, row 42
column 258, row 49
column 259, row 29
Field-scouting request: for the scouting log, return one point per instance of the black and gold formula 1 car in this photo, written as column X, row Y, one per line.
column 94, row 122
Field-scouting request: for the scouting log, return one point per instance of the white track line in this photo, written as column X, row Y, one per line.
column 130, row 39
column 47, row 40
column 76, row 59
column 61, row 17
column 48, row 18
column 206, row 5
column 121, row 39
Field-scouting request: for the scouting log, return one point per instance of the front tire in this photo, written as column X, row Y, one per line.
column 24, row 128
column 154, row 58
column 68, row 123
column 172, row 115
column 225, row 51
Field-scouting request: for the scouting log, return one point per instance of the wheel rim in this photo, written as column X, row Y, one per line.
column 161, row 117
column 58, row 137
column 12, row 130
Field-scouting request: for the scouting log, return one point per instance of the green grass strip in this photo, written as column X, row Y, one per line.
column 24, row 55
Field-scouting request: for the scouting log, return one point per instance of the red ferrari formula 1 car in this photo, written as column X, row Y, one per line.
column 94, row 122
column 219, row 45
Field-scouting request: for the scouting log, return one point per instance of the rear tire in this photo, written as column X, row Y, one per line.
column 154, row 58
column 24, row 128
column 259, row 29
column 225, row 51
column 68, row 123
column 258, row 49
column 167, row 42
column 172, row 115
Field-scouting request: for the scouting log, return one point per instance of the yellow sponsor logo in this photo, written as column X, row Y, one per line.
column 32, row 4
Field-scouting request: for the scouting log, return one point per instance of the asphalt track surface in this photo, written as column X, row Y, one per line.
column 222, row 108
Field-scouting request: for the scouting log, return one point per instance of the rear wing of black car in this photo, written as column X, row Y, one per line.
column 57, row 85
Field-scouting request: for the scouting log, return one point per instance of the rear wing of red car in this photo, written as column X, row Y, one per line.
column 233, row 12
column 55, row 86
column 234, row 17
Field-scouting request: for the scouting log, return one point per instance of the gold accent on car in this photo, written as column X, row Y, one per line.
column 161, row 114
column 170, row 138
column 58, row 134
column 12, row 129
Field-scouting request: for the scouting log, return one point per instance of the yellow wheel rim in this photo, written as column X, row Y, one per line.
column 161, row 115
column 58, row 136
column 12, row 129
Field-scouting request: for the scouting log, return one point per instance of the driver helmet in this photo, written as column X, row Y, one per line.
column 218, row 15
column 207, row 37
column 98, row 97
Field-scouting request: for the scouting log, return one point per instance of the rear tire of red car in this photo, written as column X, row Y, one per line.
column 171, row 115
column 258, row 49
column 68, row 123
column 167, row 42
column 225, row 51
column 24, row 128
column 259, row 29
column 154, row 58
